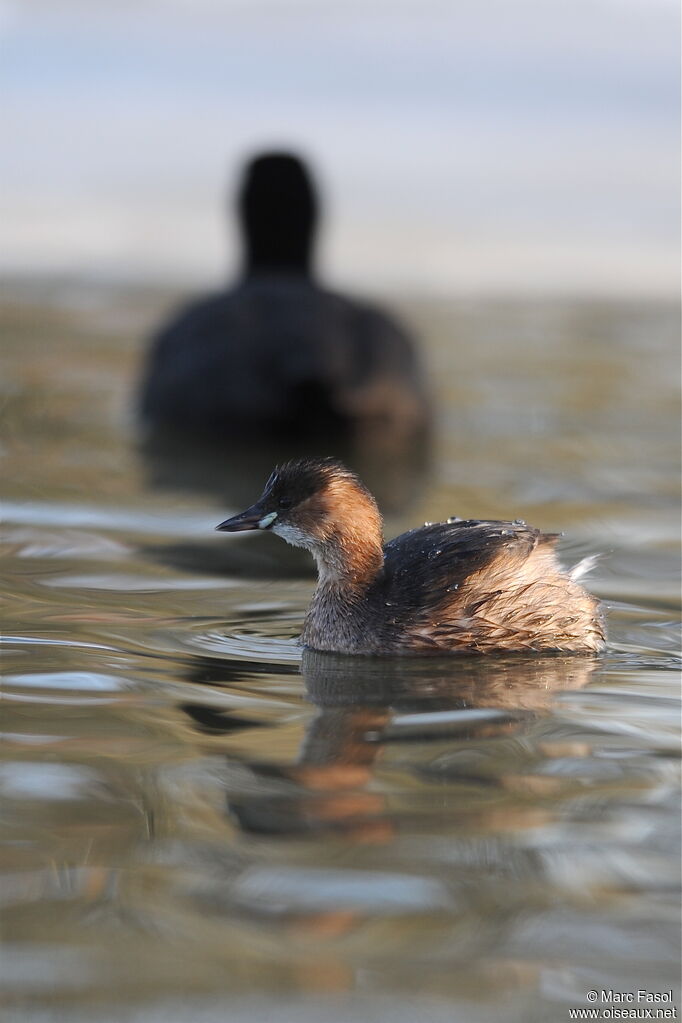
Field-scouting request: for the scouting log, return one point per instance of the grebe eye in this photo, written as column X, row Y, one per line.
column 285, row 502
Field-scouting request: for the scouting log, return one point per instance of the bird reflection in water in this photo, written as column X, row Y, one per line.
column 465, row 726
column 364, row 706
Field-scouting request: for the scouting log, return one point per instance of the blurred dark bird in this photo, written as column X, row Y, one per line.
column 278, row 353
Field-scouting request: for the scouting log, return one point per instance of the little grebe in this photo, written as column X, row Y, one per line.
column 461, row 585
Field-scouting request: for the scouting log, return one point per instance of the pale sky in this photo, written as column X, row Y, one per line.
column 460, row 144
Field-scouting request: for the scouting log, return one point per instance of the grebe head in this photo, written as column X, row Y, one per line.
column 321, row 505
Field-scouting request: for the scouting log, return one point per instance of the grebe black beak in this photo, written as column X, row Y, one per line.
column 254, row 517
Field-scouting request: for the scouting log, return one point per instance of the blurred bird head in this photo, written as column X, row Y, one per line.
column 278, row 209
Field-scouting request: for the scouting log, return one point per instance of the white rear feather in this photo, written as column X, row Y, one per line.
column 583, row 567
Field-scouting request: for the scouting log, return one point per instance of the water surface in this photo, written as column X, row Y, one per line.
column 203, row 823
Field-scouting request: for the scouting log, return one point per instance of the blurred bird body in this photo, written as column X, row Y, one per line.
column 279, row 353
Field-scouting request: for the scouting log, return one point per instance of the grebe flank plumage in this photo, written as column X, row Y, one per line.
column 467, row 586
